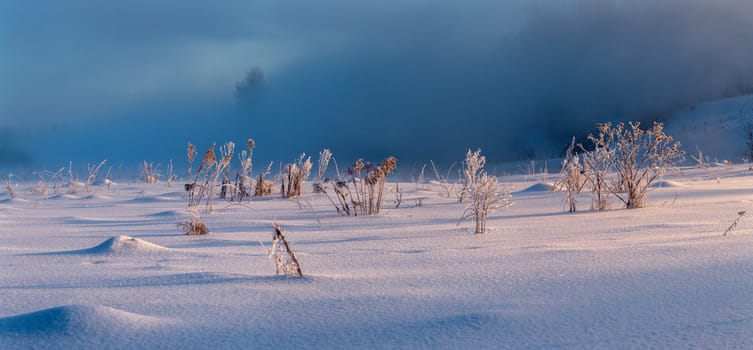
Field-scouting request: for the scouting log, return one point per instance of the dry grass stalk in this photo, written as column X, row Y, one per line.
column 731, row 228
column 150, row 174
column 190, row 155
column 197, row 191
column 282, row 255
column 264, row 186
column 443, row 180
column 294, row 176
column 324, row 158
column 368, row 182
column 244, row 179
column 226, row 151
column 9, row 186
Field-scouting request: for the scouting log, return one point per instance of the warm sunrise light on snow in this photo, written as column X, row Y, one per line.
column 341, row 174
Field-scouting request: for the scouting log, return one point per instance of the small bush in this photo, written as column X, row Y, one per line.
column 483, row 190
column 572, row 177
column 193, row 225
column 294, row 176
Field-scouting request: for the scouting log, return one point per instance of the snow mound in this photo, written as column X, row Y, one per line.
column 539, row 187
column 124, row 245
column 76, row 319
column 14, row 201
column 667, row 184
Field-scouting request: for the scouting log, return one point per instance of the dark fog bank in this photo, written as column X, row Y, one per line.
column 418, row 80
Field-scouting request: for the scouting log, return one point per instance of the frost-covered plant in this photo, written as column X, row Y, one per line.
column 47, row 178
column 196, row 191
column 193, row 225
column 190, row 155
column 226, row 151
column 93, row 171
column 75, row 186
column 342, row 193
column 448, row 187
column 699, row 161
column 151, row 176
column 571, row 177
column 472, row 167
column 264, row 186
column 294, row 176
column 9, row 186
column 244, row 179
column 282, row 255
column 324, row 156
column 170, row 177
column 363, row 193
column 421, row 178
column 376, row 181
column 596, row 167
column 368, row 182
column 486, row 196
column 639, row 157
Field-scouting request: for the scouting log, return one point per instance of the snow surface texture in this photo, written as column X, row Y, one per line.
column 660, row 277
column 112, row 270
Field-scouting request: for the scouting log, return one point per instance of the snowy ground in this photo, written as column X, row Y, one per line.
column 659, row 277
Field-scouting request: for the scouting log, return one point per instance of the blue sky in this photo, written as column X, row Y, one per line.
column 128, row 81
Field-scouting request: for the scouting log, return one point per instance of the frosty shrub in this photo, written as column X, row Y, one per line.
column 282, row 255
column 639, row 157
column 486, row 196
column 294, row 176
column 193, row 225
column 472, row 167
column 596, row 167
column 483, row 190
column 572, row 177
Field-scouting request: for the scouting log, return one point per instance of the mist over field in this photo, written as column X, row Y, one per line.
column 85, row 80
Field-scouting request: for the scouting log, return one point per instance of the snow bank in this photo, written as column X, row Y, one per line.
column 79, row 319
column 538, row 187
